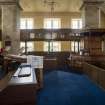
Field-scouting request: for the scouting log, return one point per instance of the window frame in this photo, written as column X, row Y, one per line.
column 51, row 46
column 77, row 25
column 26, row 23
column 51, row 23
column 27, row 46
column 75, row 46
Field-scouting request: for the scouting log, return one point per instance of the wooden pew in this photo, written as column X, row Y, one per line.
column 95, row 73
column 20, row 91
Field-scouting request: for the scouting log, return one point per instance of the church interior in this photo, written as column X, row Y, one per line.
column 52, row 52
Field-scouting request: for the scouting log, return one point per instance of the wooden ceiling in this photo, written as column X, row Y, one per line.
column 61, row 6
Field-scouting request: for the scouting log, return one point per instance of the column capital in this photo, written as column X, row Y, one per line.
column 89, row 3
column 10, row 2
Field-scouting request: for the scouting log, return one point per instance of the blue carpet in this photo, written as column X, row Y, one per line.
column 64, row 88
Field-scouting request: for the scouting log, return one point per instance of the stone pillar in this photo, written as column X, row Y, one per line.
column 91, row 13
column 10, row 23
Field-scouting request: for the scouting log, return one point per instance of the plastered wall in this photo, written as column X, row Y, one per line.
column 39, row 18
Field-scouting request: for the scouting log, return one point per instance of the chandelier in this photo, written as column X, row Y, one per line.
column 51, row 4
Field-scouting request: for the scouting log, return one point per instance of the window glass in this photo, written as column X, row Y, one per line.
column 72, row 46
column 76, row 23
column 22, row 45
column 22, row 23
column 26, row 23
column 52, row 23
column 52, row 46
column 103, row 46
column 75, row 46
column 30, row 46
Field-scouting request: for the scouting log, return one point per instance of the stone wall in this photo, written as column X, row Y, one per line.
column 10, row 23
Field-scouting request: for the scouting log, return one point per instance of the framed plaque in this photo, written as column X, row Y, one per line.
column 32, row 35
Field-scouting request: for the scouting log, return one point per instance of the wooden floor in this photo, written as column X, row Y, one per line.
column 4, row 81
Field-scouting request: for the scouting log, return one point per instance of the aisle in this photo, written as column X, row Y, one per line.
column 64, row 88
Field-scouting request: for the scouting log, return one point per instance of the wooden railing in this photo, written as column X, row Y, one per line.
column 49, row 34
column 95, row 73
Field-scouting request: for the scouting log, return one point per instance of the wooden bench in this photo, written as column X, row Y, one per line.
column 20, row 91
